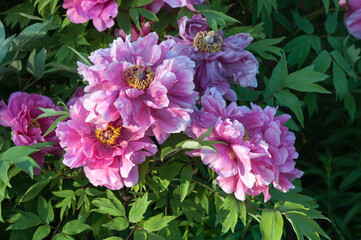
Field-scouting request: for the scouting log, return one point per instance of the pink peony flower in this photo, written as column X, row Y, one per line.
column 151, row 88
column 110, row 152
column 20, row 114
column 352, row 17
column 218, row 61
column 102, row 12
column 258, row 149
column 156, row 5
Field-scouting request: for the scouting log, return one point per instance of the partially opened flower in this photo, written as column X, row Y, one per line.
column 151, row 88
column 21, row 115
column 156, row 5
column 109, row 153
column 219, row 61
column 145, row 29
column 353, row 17
column 102, row 12
column 257, row 151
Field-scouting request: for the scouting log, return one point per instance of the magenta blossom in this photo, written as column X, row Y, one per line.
column 218, row 61
column 151, row 88
column 110, row 152
column 156, row 5
column 352, row 17
column 20, row 114
column 102, row 12
column 79, row 92
column 258, row 149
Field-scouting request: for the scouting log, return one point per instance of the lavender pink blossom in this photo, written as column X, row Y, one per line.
column 102, row 12
column 352, row 17
column 258, row 149
column 20, row 114
column 109, row 153
column 144, row 83
column 219, row 61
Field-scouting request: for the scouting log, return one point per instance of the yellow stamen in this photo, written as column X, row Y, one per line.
column 108, row 135
column 245, row 136
column 34, row 124
column 208, row 41
column 139, row 77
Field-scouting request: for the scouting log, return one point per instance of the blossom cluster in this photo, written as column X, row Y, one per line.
column 140, row 91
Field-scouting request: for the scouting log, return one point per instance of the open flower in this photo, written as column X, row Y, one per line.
column 257, row 151
column 219, row 61
column 353, row 17
column 109, row 153
column 151, row 88
column 102, row 12
column 156, row 5
column 20, row 114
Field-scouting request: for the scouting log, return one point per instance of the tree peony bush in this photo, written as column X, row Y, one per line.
column 184, row 119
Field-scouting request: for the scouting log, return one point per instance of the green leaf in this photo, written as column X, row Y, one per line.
column 74, row 227
column 138, row 209
column 228, row 214
column 322, row 62
column 303, row 23
column 266, row 49
column 215, row 18
column 139, row 3
column 350, row 105
column 293, row 47
column 81, row 56
column 61, row 236
column 326, row 3
column 25, row 220
column 316, row 43
column 168, row 172
column 341, row 61
column 147, row 14
column 339, row 81
column 4, row 167
column 166, row 152
column 123, row 20
column 271, row 224
column 117, row 224
column 45, row 210
column 279, row 75
column 2, row 32
column 157, row 222
column 287, row 207
column 134, row 15
column 34, row 31
column 304, row 80
column 116, row 202
column 34, row 190
column 36, row 63
column 106, row 206
column 113, row 238
column 152, row 236
column 140, row 235
column 204, row 135
column 331, row 23
column 305, row 226
column 55, row 123
column 290, row 100
column 186, row 178
column 41, row 232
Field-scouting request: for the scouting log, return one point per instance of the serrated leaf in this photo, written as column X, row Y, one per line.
column 74, row 227
column 157, row 222
column 186, row 178
column 271, row 224
column 339, row 81
column 228, row 214
column 322, row 62
column 116, row 202
column 138, row 209
column 117, row 224
column 105, row 206
column 303, row 23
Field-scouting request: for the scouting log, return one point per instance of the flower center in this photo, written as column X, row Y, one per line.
column 139, row 77
column 245, row 136
column 34, row 124
column 208, row 41
column 108, row 135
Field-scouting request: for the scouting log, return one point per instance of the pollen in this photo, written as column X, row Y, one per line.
column 245, row 136
column 108, row 135
column 208, row 41
column 139, row 77
column 34, row 124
